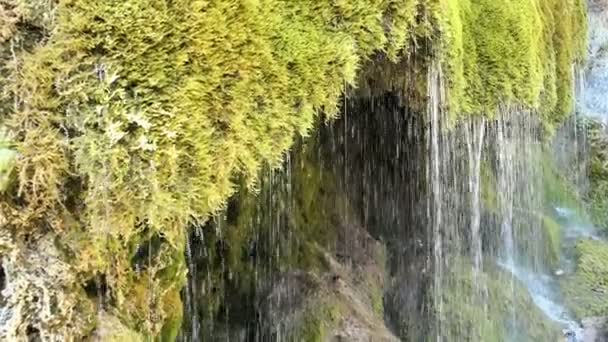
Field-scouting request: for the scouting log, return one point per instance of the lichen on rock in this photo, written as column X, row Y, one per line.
column 8, row 159
column 41, row 293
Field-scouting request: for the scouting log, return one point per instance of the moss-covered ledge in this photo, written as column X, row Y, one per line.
column 518, row 53
column 131, row 120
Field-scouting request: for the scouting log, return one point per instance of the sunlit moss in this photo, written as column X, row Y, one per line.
column 8, row 159
column 134, row 120
column 146, row 112
column 505, row 53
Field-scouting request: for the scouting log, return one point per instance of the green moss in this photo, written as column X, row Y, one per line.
column 599, row 204
column 317, row 321
column 138, row 119
column 111, row 329
column 156, row 108
column 125, row 336
column 585, row 290
column 597, row 197
column 8, row 160
column 466, row 317
column 374, row 281
column 7, row 164
column 172, row 306
column 553, row 238
column 512, row 53
column 558, row 192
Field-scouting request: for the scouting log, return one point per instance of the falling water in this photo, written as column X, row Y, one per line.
column 435, row 207
column 505, row 189
column 458, row 206
column 474, row 137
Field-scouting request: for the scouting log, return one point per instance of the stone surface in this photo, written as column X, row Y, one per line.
column 343, row 304
column 40, row 294
column 111, row 329
column 595, row 329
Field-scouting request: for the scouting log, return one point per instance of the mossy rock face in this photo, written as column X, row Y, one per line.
column 553, row 236
column 343, row 303
column 133, row 120
column 111, row 329
column 597, row 198
column 542, row 39
column 467, row 316
column 130, row 135
column 174, row 308
column 586, row 291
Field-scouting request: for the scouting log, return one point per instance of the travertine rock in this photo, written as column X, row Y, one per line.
column 40, row 299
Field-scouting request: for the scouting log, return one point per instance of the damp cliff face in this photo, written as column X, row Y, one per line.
column 130, row 123
column 585, row 288
column 595, row 107
column 594, row 104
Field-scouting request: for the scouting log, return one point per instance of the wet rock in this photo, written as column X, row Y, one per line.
column 585, row 289
column 41, row 297
column 570, row 336
column 598, row 5
column 342, row 304
column 111, row 329
column 595, row 329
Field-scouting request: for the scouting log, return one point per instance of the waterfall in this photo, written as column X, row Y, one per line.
column 487, row 209
column 474, row 137
column 435, row 208
column 459, row 206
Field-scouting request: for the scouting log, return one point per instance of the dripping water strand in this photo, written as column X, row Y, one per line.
column 475, row 145
column 506, row 179
column 434, row 84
